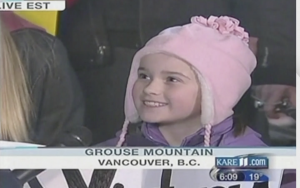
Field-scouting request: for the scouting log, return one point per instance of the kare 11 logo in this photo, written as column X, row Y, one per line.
column 249, row 161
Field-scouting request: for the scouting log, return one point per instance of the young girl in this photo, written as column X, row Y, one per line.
column 184, row 84
column 182, row 88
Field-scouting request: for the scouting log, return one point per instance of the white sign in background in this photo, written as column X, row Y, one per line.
column 152, row 178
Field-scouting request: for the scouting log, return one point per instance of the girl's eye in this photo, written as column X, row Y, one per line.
column 172, row 79
column 143, row 76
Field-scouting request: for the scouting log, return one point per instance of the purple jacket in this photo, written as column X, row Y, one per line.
column 222, row 136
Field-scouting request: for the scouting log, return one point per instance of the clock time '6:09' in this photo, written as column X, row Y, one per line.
column 230, row 176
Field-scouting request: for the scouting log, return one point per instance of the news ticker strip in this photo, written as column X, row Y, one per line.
column 31, row 5
column 154, row 158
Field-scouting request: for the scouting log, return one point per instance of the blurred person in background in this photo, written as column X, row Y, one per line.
column 40, row 95
column 274, row 80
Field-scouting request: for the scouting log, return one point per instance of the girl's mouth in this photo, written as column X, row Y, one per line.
column 154, row 104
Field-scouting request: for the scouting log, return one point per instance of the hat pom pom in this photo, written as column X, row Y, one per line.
column 223, row 24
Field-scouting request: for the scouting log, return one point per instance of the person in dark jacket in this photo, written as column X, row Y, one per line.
column 275, row 77
column 40, row 94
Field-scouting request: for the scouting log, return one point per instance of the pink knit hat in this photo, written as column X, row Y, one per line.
column 217, row 48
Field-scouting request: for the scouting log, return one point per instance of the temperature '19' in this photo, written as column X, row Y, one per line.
column 254, row 176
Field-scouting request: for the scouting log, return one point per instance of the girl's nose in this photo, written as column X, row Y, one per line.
column 153, row 88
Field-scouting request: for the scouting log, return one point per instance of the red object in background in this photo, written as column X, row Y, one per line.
column 70, row 3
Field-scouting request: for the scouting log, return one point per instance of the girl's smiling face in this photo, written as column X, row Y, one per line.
column 166, row 90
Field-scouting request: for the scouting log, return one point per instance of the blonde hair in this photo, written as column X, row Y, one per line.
column 15, row 95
